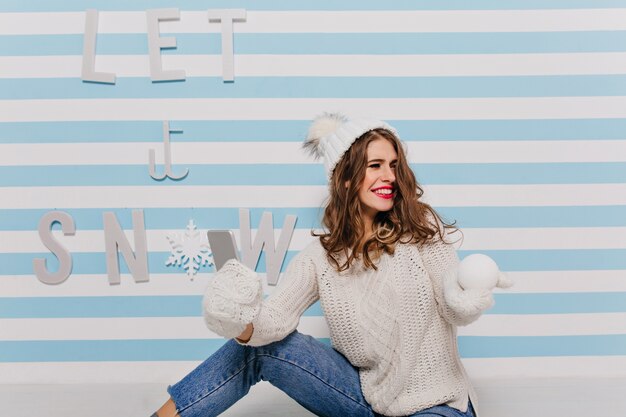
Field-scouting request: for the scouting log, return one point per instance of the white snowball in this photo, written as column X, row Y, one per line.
column 478, row 271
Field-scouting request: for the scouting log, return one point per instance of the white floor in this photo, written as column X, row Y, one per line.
column 498, row 398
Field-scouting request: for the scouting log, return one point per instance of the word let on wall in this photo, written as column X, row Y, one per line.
column 156, row 43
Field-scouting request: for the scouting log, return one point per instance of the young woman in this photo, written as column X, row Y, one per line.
column 387, row 283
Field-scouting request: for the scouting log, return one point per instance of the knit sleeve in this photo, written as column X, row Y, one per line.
column 440, row 258
column 280, row 313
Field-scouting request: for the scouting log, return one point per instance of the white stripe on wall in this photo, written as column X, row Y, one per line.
column 328, row 65
column 547, row 367
column 194, row 328
column 127, row 328
column 474, row 239
column 122, row 372
column 97, row 285
column 220, row 153
column 303, row 196
column 308, row 108
column 169, row 372
column 372, row 21
column 546, row 325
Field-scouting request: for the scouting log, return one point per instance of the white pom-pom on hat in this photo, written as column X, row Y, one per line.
column 322, row 126
column 331, row 135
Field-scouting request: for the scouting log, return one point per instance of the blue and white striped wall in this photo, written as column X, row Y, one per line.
column 515, row 116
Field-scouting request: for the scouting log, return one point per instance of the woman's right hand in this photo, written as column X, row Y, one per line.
column 232, row 299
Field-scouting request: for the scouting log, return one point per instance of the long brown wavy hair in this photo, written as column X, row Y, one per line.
column 406, row 222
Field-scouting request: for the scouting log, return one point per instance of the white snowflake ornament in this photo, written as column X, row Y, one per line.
column 189, row 250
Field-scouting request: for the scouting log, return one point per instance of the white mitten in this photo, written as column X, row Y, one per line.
column 467, row 302
column 232, row 299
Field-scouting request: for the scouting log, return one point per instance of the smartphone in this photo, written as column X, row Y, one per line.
column 223, row 247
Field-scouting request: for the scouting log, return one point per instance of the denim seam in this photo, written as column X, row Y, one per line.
column 312, row 374
column 206, row 394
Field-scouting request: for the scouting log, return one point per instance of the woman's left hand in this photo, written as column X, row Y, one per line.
column 472, row 301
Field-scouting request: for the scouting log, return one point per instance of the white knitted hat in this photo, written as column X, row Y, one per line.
column 332, row 134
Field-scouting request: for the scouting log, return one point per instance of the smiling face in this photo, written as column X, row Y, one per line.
column 377, row 191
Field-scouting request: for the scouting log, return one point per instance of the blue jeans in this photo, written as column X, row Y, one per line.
column 312, row 373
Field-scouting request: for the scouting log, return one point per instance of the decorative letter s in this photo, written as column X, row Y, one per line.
column 65, row 259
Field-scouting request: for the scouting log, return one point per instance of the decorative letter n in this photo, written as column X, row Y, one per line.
column 115, row 239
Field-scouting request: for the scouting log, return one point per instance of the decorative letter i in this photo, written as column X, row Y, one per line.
column 168, row 157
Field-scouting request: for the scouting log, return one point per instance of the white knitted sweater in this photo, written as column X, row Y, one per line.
column 392, row 324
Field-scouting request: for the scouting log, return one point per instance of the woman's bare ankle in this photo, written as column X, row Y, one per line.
column 168, row 409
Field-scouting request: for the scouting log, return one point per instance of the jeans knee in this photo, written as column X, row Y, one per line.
column 294, row 341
